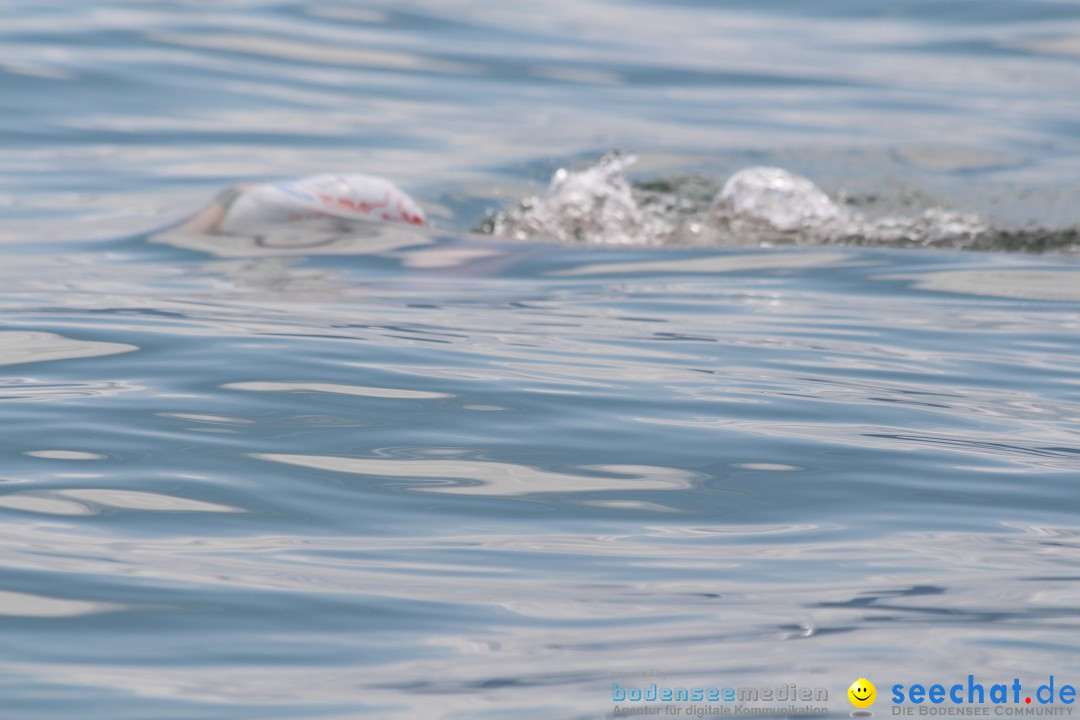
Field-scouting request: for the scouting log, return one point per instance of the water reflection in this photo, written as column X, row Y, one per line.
column 1027, row 284
column 357, row 240
column 64, row 455
column 13, row 604
column 483, row 477
column 736, row 600
column 715, row 264
column 27, row 346
column 336, row 389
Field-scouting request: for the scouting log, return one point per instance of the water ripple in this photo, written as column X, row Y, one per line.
column 399, row 473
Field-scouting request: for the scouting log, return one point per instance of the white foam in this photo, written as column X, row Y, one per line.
column 757, row 205
column 592, row 205
column 776, row 198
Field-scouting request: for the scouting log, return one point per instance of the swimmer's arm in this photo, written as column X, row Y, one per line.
column 208, row 220
column 203, row 223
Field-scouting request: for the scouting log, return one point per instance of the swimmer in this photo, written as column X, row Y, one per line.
column 332, row 202
column 594, row 203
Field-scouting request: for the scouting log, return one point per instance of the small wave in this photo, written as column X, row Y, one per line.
column 599, row 205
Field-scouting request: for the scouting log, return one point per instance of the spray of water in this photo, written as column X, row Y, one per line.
column 597, row 204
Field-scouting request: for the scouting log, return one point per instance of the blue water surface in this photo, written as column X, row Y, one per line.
column 401, row 474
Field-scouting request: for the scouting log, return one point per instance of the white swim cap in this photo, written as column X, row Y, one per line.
column 319, row 201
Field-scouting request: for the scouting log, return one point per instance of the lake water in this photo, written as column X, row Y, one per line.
column 403, row 474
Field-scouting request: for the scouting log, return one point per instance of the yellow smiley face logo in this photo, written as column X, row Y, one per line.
column 862, row 693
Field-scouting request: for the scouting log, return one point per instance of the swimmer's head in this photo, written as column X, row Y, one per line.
column 319, row 201
column 316, row 203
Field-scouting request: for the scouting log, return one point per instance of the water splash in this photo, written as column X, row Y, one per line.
column 776, row 199
column 598, row 205
column 594, row 204
column 772, row 204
